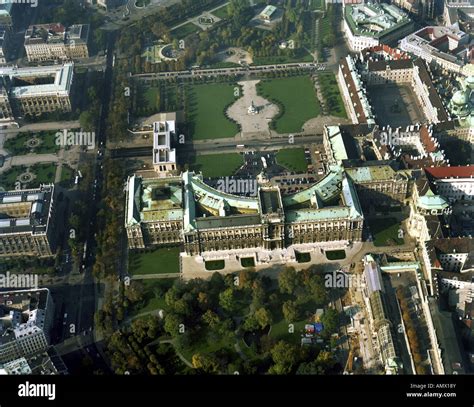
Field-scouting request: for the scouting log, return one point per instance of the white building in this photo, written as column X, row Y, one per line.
column 3, row 45
column 455, row 255
column 48, row 90
column 447, row 47
column 455, row 183
column 368, row 25
column 26, row 318
column 164, row 157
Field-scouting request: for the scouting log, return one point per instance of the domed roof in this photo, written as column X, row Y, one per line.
column 460, row 98
column 470, row 81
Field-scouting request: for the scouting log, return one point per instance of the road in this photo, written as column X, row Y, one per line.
column 46, row 126
column 213, row 147
column 76, row 296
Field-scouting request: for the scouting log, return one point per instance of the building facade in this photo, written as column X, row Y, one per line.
column 447, row 47
column 26, row 318
column 27, row 222
column 52, row 42
column 454, row 183
column 33, row 91
column 355, row 75
column 369, row 25
column 205, row 219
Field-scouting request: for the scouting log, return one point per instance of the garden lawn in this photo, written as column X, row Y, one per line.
column 17, row 145
column 336, row 254
column 220, row 12
column 218, row 165
column 331, row 95
column 8, row 178
column 279, row 331
column 160, row 261
column 297, row 100
column 206, row 111
column 45, row 174
column 185, row 30
column 292, row 159
column 385, row 232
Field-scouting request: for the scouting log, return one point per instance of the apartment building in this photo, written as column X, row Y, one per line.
column 26, row 318
column 53, row 42
column 27, row 222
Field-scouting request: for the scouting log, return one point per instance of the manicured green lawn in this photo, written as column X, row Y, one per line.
column 17, row 145
column 223, row 65
column 317, row 4
column 247, row 262
column 185, row 30
column 215, row 265
column 303, row 257
column 8, row 178
column 66, row 174
column 217, row 165
column 45, row 174
column 297, row 101
column 331, row 95
column 293, row 159
column 206, row 347
column 161, row 261
column 206, row 111
column 220, row 12
column 335, row 254
column 385, row 232
column 280, row 331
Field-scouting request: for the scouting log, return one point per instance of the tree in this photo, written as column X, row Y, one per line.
column 211, row 319
column 207, row 363
column 289, row 280
column 172, row 323
column 330, row 320
column 135, row 291
column 263, row 317
column 251, row 323
column 227, row 300
column 317, row 289
column 285, row 357
column 258, row 294
column 291, row 311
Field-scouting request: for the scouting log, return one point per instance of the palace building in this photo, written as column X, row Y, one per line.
column 162, row 211
column 37, row 90
column 372, row 69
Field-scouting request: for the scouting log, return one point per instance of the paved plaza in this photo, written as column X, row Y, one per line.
column 252, row 123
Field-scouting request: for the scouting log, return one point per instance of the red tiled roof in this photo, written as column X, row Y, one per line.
column 451, row 172
column 429, row 144
column 355, row 101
